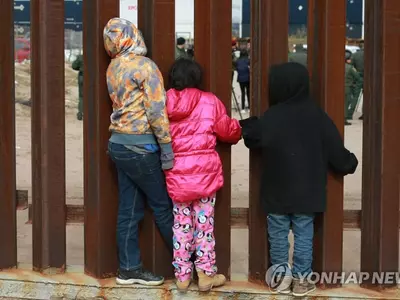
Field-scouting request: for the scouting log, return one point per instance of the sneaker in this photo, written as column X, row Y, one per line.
column 302, row 288
column 206, row 283
column 243, row 111
column 140, row 276
column 347, row 123
column 285, row 287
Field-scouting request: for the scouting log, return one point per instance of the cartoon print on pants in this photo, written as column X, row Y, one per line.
column 188, row 246
column 193, row 233
column 200, row 234
column 213, row 202
column 210, row 237
column 202, row 218
column 186, row 211
column 186, row 228
column 199, row 253
column 177, row 245
column 204, row 200
column 176, row 210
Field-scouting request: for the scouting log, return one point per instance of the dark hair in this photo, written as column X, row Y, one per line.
column 180, row 41
column 185, row 73
column 244, row 53
column 348, row 55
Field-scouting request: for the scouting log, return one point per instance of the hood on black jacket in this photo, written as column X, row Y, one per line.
column 288, row 82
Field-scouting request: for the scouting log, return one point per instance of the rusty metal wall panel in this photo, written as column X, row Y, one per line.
column 100, row 182
column 48, row 134
column 269, row 45
column 327, row 61
column 213, row 33
column 8, row 230
column 310, row 35
column 157, row 23
column 381, row 146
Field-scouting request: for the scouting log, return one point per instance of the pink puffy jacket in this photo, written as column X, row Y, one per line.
column 197, row 120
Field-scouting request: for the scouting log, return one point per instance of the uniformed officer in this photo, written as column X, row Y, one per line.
column 77, row 65
column 358, row 62
column 353, row 85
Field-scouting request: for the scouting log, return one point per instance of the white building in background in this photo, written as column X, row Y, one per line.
column 184, row 15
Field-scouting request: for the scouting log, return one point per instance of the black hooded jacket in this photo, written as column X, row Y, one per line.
column 299, row 143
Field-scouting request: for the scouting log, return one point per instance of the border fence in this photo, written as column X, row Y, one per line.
column 378, row 219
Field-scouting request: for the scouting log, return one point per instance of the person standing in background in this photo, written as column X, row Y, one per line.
column 358, row 60
column 190, row 51
column 353, row 85
column 234, row 58
column 180, row 51
column 243, row 70
column 249, row 47
column 358, row 64
column 77, row 65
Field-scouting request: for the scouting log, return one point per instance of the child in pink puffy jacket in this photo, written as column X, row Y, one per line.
column 197, row 120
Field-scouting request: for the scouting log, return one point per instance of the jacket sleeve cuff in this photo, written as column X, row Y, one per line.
column 166, row 148
column 167, row 165
column 167, row 156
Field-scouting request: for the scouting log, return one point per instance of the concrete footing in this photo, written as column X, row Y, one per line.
column 26, row 284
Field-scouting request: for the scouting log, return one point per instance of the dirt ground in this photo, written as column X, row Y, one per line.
column 74, row 180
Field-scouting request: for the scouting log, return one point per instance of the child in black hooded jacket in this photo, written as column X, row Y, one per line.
column 299, row 143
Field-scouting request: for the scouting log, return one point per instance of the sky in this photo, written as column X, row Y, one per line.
column 184, row 13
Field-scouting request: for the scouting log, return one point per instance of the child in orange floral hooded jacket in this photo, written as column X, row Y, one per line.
column 140, row 145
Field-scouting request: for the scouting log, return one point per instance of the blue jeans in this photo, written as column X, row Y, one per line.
column 140, row 178
column 303, row 231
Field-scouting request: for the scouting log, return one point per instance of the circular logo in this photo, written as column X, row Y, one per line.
column 276, row 275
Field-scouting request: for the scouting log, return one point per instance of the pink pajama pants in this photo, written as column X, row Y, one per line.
column 194, row 232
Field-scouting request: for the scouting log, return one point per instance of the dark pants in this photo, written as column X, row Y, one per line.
column 350, row 103
column 140, row 179
column 245, row 89
column 303, row 231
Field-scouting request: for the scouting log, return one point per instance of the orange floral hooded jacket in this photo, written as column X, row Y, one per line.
column 136, row 88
